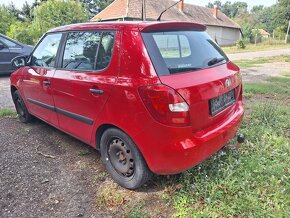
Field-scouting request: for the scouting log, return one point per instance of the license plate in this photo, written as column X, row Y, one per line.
column 221, row 102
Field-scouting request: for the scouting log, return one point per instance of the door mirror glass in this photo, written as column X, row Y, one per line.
column 18, row 62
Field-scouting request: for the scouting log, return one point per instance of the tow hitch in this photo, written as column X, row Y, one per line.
column 241, row 138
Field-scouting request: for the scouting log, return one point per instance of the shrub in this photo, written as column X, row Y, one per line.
column 240, row 44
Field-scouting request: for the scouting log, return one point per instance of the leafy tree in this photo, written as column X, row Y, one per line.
column 211, row 5
column 95, row 6
column 22, row 32
column 53, row 13
column 6, row 19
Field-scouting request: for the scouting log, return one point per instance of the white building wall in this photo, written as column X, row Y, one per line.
column 223, row 35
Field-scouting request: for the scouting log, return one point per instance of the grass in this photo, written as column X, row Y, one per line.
column 252, row 181
column 286, row 74
column 259, row 47
column 6, row 112
column 274, row 85
column 255, row 62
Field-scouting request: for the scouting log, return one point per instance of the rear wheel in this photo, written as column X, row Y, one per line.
column 123, row 160
column 23, row 114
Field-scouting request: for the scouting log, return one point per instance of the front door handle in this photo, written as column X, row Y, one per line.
column 46, row 83
column 97, row 91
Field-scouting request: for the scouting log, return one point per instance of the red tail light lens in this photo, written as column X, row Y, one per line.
column 165, row 105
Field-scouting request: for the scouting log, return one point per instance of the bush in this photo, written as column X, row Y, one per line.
column 240, row 44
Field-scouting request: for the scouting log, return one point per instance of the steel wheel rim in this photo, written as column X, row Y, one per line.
column 121, row 158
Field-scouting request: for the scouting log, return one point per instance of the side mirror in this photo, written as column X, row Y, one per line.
column 2, row 46
column 18, row 62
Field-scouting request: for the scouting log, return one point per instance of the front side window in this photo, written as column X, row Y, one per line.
column 45, row 53
column 9, row 43
column 182, row 51
column 81, row 50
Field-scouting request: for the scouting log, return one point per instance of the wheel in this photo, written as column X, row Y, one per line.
column 23, row 114
column 123, row 160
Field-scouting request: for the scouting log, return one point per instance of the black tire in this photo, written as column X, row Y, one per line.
column 123, row 160
column 23, row 114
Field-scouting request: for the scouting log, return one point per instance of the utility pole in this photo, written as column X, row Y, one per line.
column 286, row 37
column 144, row 10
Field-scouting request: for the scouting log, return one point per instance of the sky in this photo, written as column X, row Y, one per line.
column 251, row 3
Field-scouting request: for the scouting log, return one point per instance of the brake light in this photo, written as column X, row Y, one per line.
column 165, row 105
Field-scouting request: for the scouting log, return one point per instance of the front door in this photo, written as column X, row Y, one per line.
column 37, row 78
column 84, row 80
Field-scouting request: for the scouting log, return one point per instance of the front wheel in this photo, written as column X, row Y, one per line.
column 23, row 114
column 123, row 160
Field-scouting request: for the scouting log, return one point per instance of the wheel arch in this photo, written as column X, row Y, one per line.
column 101, row 129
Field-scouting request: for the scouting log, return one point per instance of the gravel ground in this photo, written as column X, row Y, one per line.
column 5, row 96
column 33, row 185
column 257, row 54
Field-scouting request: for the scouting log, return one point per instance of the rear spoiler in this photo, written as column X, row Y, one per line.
column 172, row 26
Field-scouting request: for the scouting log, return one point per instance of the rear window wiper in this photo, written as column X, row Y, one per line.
column 215, row 61
column 183, row 69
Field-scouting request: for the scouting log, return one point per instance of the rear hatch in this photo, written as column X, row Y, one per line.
column 190, row 62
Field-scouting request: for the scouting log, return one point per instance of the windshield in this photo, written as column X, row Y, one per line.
column 182, row 51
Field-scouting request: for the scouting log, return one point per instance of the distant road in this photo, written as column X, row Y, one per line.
column 258, row 54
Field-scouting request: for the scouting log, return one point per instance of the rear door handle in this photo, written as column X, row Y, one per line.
column 46, row 83
column 97, row 91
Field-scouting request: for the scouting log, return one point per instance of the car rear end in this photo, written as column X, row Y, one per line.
column 197, row 107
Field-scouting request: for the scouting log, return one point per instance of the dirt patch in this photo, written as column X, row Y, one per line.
column 67, row 185
column 264, row 71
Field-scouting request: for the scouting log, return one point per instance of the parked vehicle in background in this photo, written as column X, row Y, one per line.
column 10, row 49
column 151, row 96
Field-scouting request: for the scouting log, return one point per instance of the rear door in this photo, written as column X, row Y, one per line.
column 84, row 79
column 191, row 63
column 36, row 83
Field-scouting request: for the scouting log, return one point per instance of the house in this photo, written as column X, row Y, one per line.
column 221, row 28
column 264, row 33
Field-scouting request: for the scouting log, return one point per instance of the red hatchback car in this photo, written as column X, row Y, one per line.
column 152, row 96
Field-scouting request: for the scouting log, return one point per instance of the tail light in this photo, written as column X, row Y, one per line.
column 165, row 105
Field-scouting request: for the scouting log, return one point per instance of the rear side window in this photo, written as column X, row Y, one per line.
column 175, row 52
column 80, row 50
column 88, row 50
column 45, row 53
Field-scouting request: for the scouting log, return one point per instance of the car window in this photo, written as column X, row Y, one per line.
column 105, row 51
column 45, row 53
column 9, row 43
column 81, row 50
column 182, row 51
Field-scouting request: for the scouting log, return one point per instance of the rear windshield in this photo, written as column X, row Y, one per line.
column 175, row 52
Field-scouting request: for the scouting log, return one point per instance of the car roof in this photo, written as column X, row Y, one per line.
column 142, row 26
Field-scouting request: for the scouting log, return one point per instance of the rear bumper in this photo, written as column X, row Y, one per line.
column 173, row 150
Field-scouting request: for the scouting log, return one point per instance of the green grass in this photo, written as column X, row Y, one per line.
column 259, row 47
column 6, row 112
column 286, row 74
column 274, row 85
column 250, row 182
column 255, row 62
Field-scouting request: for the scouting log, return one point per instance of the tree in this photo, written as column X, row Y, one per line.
column 211, row 5
column 6, row 19
column 54, row 13
column 95, row 6
column 22, row 32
